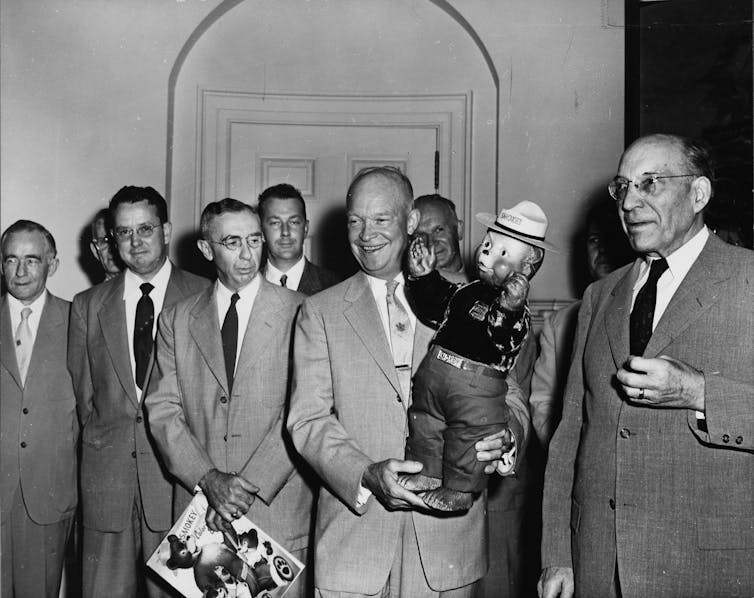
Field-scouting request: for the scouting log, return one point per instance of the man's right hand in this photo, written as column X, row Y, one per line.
column 381, row 479
column 556, row 582
column 229, row 494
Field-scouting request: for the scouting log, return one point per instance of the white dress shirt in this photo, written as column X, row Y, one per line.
column 679, row 264
column 131, row 295
column 36, row 306
column 246, row 297
column 294, row 274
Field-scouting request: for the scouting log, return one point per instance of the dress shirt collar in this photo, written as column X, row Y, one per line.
column 294, row 274
column 132, row 283
column 15, row 307
column 679, row 262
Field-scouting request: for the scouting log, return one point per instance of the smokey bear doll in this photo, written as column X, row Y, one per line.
column 459, row 390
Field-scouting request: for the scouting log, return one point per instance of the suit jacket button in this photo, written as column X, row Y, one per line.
column 139, row 419
column 625, row 432
column 225, row 438
column 739, row 439
column 726, row 438
column 25, row 411
column 223, row 400
column 611, row 502
column 133, row 454
column 23, row 445
column 398, row 398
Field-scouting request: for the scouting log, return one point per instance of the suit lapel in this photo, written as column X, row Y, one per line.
column 308, row 279
column 259, row 331
column 7, row 346
column 364, row 317
column 112, row 321
column 205, row 330
column 617, row 314
column 697, row 293
column 176, row 290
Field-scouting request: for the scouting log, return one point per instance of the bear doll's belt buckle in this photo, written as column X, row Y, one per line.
column 454, row 360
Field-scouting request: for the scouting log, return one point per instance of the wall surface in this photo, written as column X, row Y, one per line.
column 84, row 101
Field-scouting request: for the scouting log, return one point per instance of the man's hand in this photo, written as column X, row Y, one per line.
column 497, row 450
column 217, row 523
column 555, row 582
column 421, row 256
column 228, row 494
column 381, row 479
column 662, row 382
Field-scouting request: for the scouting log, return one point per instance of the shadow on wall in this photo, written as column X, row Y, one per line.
column 189, row 258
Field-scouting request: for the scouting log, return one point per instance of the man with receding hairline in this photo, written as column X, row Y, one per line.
column 439, row 221
column 648, row 487
column 356, row 346
column 38, row 427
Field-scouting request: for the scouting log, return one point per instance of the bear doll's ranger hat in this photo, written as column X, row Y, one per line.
column 525, row 221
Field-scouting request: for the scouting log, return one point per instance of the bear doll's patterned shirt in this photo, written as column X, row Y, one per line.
column 469, row 319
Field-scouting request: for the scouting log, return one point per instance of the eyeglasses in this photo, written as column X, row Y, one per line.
column 646, row 187
column 143, row 232
column 102, row 242
column 233, row 242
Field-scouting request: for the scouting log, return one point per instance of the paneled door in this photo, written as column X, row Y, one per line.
column 318, row 144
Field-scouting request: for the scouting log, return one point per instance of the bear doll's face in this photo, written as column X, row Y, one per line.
column 500, row 255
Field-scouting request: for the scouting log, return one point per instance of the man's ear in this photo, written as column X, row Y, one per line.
column 460, row 230
column 54, row 262
column 206, row 249
column 167, row 232
column 702, row 190
column 414, row 216
column 306, row 228
column 93, row 249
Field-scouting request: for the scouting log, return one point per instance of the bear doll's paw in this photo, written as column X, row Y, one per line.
column 417, row 482
column 445, row 499
column 514, row 292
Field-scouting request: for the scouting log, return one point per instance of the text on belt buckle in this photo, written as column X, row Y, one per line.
column 453, row 360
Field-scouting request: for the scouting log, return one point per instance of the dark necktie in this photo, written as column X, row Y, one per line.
column 143, row 325
column 643, row 312
column 283, row 280
column 229, row 334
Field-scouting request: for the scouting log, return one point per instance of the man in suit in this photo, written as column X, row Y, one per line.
column 439, row 221
column 648, row 488
column 283, row 213
column 38, row 427
column 217, row 402
column 126, row 495
column 356, row 345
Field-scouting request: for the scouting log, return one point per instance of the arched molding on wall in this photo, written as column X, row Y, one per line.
column 226, row 5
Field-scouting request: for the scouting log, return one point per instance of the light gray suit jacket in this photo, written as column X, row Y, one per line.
column 346, row 413
column 672, row 503
column 116, row 446
column 38, row 427
column 199, row 426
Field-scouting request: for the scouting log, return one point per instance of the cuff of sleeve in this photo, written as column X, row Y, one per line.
column 362, row 497
column 507, row 463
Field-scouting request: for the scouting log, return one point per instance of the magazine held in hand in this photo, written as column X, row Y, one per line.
column 242, row 562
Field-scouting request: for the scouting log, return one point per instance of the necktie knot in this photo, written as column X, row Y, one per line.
column 146, row 288
column 283, row 280
column 25, row 313
column 234, row 298
column 391, row 285
column 656, row 269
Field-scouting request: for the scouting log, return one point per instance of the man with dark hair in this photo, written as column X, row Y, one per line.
column 217, row 400
column 283, row 213
column 102, row 245
column 126, row 496
column 38, row 427
column 356, row 346
column 648, row 487
column 444, row 231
